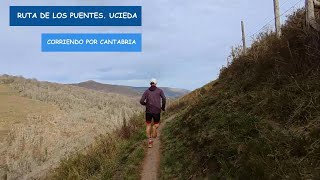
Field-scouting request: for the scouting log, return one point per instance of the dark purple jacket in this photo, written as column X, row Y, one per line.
column 151, row 98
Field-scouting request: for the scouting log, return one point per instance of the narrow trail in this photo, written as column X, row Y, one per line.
column 150, row 167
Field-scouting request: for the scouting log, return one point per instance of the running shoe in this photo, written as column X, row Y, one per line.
column 150, row 143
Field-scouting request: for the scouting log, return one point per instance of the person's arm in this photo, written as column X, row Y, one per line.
column 164, row 101
column 143, row 98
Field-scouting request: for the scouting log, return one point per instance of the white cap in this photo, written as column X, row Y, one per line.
column 153, row 80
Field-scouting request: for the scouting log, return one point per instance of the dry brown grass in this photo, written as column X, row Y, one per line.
column 116, row 155
column 51, row 121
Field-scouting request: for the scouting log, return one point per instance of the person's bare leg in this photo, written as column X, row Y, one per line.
column 148, row 130
column 154, row 130
column 149, row 135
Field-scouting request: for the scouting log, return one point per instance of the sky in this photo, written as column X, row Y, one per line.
column 185, row 42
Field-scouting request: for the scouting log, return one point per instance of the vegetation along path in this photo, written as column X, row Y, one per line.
column 150, row 167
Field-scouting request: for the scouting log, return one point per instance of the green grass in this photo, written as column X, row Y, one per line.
column 259, row 120
column 115, row 156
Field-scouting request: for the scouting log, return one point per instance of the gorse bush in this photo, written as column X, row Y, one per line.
column 259, row 120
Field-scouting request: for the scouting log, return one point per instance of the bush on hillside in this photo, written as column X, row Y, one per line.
column 260, row 120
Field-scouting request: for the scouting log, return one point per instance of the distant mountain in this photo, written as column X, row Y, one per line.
column 124, row 90
column 128, row 90
column 169, row 92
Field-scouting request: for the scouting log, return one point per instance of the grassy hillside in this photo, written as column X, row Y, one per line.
column 117, row 155
column 44, row 122
column 16, row 111
column 259, row 120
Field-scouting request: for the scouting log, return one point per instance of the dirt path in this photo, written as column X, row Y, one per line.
column 152, row 160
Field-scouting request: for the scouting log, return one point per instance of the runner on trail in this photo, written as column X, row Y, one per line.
column 151, row 98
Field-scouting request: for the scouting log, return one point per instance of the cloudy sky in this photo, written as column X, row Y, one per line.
column 185, row 42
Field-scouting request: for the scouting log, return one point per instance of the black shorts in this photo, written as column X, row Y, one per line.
column 154, row 117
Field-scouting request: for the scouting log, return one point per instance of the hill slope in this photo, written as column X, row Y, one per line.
column 259, row 120
column 44, row 122
column 16, row 111
column 129, row 90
